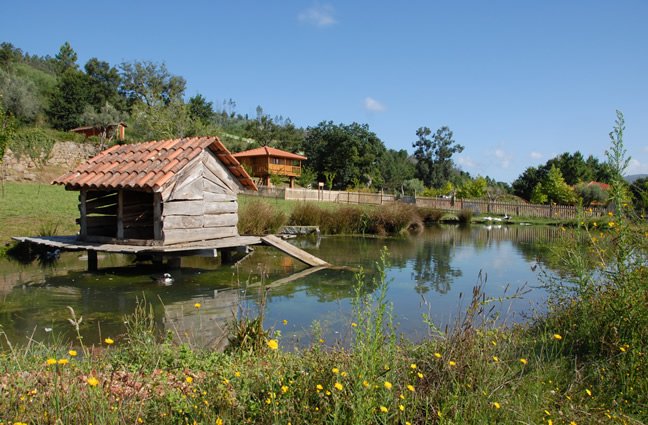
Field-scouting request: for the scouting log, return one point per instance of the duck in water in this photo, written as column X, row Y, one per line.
column 165, row 280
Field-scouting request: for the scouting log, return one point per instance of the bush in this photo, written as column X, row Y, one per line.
column 260, row 218
column 465, row 216
column 430, row 215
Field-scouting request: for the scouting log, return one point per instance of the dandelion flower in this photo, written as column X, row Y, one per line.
column 335, row 370
column 197, row 305
column 273, row 344
column 557, row 336
column 452, row 363
column 63, row 362
column 524, row 361
column 285, row 322
column 413, row 366
column 420, row 375
column 623, row 349
column 338, row 386
column 92, row 381
column 365, row 384
column 189, row 379
column 411, row 388
column 437, row 355
column 589, row 393
column 496, row 405
column 321, row 341
column 549, row 422
column 383, row 409
column 284, row 389
column 237, row 374
column 495, row 359
column 51, row 362
column 319, row 387
column 388, row 385
column 219, row 421
column 354, row 325
column 343, row 374
column 401, row 407
column 109, row 341
column 72, row 353
column 572, row 423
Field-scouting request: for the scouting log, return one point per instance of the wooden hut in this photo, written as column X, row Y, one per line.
column 118, row 129
column 265, row 161
column 165, row 192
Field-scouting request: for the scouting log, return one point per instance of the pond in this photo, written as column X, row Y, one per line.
column 430, row 275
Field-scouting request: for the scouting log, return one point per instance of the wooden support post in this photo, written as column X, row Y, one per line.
column 93, row 262
column 83, row 219
column 174, row 263
column 157, row 216
column 120, row 214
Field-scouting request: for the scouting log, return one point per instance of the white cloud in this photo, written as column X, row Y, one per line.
column 536, row 155
column 319, row 15
column 636, row 167
column 503, row 157
column 373, row 105
column 466, row 162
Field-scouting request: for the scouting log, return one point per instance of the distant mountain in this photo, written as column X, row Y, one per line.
column 631, row 179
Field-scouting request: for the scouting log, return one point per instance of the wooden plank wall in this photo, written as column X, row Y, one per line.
column 100, row 213
column 202, row 204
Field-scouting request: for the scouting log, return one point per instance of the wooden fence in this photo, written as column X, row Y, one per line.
column 477, row 206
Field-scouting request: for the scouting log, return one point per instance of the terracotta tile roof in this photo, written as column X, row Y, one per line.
column 268, row 151
column 148, row 166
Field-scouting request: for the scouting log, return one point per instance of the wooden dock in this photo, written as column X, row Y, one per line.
column 293, row 251
column 172, row 252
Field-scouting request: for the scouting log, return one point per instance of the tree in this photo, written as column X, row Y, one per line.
column 262, row 129
column 397, row 168
column 157, row 122
column 150, row 83
column 526, row 183
column 200, row 109
column 433, row 156
column 350, row 151
column 66, row 59
column 69, row 100
column 639, row 191
column 20, row 97
column 103, row 85
column 474, row 189
column 553, row 188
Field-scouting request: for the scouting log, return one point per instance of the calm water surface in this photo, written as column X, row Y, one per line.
column 430, row 274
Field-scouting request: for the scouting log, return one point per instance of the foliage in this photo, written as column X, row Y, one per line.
column 433, row 156
column 20, row 97
column 151, row 84
column 65, row 59
column 105, row 120
column 329, row 176
column 413, row 187
column 553, row 189
column 260, row 218
column 7, row 130
column 160, row 121
column 397, row 168
column 308, row 177
column 473, row 189
column 591, row 194
column 36, row 143
column 68, row 100
column 350, row 151
column 103, row 85
column 639, row 190
column 200, row 109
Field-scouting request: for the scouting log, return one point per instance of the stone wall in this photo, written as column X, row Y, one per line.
column 63, row 156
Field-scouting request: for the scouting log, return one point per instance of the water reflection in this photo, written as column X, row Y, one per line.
column 428, row 274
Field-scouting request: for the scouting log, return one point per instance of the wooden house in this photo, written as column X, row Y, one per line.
column 165, row 192
column 118, row 129
column 265, row 161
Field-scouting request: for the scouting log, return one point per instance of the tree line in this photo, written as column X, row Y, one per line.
column 55, row 92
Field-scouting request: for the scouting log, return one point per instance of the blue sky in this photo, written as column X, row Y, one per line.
column 517, row 81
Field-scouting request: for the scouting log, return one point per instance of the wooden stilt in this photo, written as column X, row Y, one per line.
column 93, row 262
column 174, row 263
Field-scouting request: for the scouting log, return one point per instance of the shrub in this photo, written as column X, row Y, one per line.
column 465, row 216
column 430, row 215
column 260, row 218
column 395, row 218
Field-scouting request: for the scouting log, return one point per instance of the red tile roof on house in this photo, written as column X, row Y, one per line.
column 268, row 151
column 603, row 186
column 148, row 166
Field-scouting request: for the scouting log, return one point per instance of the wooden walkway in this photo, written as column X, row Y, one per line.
column 293, row 251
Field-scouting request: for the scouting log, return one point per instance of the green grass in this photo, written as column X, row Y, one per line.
column 27, row 209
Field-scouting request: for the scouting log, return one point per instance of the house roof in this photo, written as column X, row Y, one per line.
column 268, row 151
column 603, row 186
column 148, row 166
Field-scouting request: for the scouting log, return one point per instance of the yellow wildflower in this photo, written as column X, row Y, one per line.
column 420, row 375
column 92, row 381
column 51, row 362
column 219, row 421
column 284, row 389
column 557, row 336
column 319, row 387
column 189, row 379
column 343, row 374
column 63, row 362
column 335, row 370
column 549, row 422
column 354, row 325
column 383, row 409
column 496, row 405
column 365, row 384
column 109, row 341
column 413, row 366
column 495, row 359
column 338, row 386
column 410, row 387
column 273, row 344
column 285, row 322
column 388, row 385
column 197, row 305
column 452, row 363
column 72, row 353
column 401, row 407
column 437, row 355
column 524, row 361
column 589, row 393
column 237, row 374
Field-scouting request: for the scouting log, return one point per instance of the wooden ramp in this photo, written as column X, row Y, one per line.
column 293, row 251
